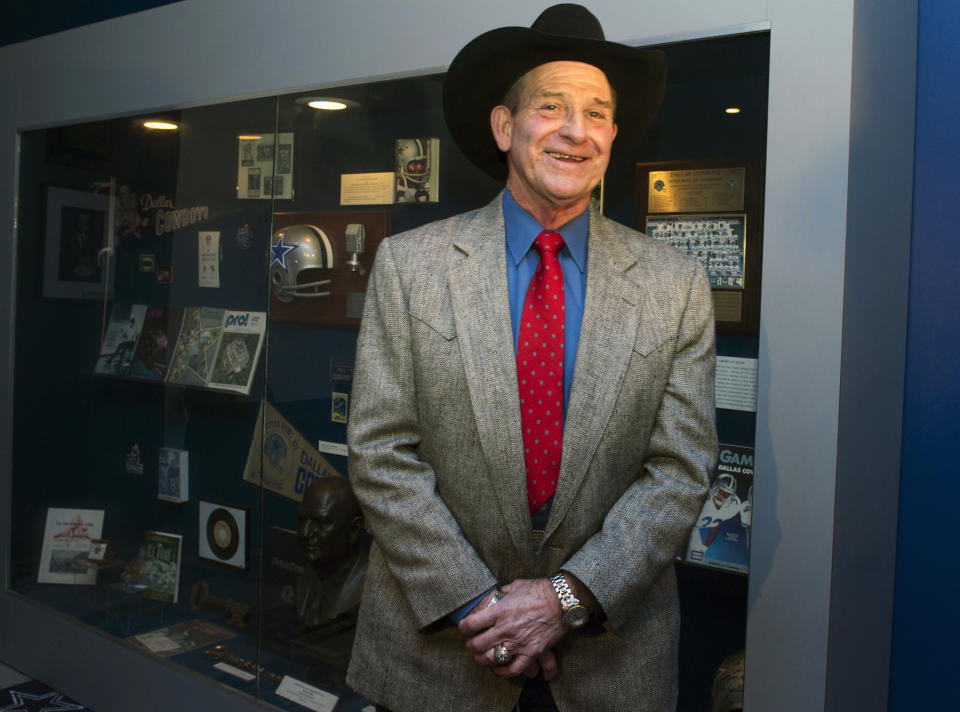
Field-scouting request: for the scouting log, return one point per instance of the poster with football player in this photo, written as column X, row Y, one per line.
column 721, row 536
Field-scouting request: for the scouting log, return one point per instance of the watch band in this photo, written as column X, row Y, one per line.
column 575, row 614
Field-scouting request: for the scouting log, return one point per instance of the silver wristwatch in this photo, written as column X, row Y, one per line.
column 575, row 614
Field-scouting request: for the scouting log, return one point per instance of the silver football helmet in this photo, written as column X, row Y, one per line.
column 300, row 256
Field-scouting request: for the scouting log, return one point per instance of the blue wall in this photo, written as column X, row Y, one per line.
column 926, row 622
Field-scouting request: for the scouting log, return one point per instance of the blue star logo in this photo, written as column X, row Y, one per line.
column 50, row 702
column 279, row 251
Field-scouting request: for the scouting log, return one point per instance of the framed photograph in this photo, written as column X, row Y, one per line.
column 78, row 240
column 223, row 534
column 717, row 241
column 702, row 207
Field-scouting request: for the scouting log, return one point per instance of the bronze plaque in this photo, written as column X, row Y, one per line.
column 695, row 189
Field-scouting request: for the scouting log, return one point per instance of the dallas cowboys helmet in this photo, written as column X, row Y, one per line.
column 724, row 486
column 300, row 256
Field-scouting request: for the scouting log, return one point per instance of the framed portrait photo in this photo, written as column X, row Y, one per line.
column 77, row 262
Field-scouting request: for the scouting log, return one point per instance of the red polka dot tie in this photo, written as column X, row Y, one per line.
column 540, row 372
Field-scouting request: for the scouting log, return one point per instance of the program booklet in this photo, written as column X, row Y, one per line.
column 67, row 537
column 120, row 339
column 241, row 340
column 157, row 338
column 161, row 575
column 196, row 346
column 721, row 536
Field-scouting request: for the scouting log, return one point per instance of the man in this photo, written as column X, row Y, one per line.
column 533, row 405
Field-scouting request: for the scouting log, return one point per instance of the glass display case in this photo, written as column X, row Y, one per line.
column 189, row 288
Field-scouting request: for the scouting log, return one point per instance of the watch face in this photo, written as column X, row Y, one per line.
column 576, row 616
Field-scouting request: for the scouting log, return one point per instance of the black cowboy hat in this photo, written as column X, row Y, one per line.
column 487, row 67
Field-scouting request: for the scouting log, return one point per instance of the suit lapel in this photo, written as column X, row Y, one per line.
column 612, row 308
column 477, row 283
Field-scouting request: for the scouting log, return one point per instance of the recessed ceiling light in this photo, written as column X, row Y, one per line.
column 327, row 104
column 160, row 125
column 732, row 110
column 249, row 137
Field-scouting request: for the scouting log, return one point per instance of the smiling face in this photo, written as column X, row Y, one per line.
column 557, row 140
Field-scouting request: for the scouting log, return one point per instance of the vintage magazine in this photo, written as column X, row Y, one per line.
column 173, row 469
column 241, row 340
column 180, row 638
column 120, row 340
column 66, row 545
column 721, row 536
column 196, row 346
column 162, row 554
column 417, row 170
column 157, row 339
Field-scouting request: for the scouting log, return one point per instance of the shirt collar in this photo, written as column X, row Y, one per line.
column 522, row 229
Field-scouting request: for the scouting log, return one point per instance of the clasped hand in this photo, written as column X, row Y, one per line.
column 528, row 620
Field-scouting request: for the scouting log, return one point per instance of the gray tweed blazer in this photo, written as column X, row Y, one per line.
column 436, row 461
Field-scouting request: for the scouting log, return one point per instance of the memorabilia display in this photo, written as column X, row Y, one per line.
column 78, row 262
column 281, row 553
column 200, row 597
column 208, row 256
column 265, row 166
column 157, row 340
column 319, row 264
column 180, row 638
column 418, row 170
column 721, row 536
column 222, row 534
column 120, row 340
column 235, row 363
column 717, row 241
column 67, row 537
column 174, row 475
column 196, row 345
column 280, row 459
column 162, row 553
column 702, row 207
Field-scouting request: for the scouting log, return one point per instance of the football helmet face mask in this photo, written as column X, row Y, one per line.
column 300, row 257
column 725, row 486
